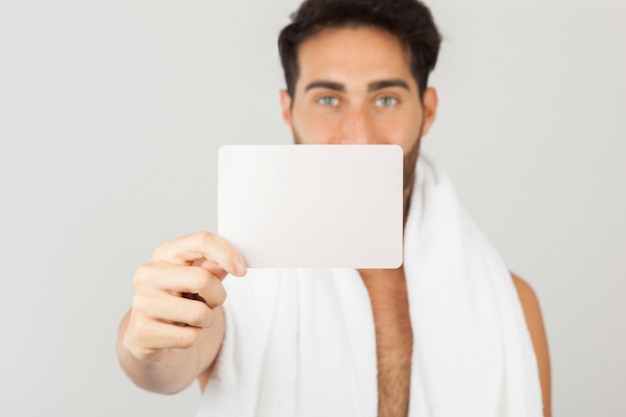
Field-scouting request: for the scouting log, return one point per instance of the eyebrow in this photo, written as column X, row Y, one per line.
column 373, row 86
column 326, row 84
column 379, row 85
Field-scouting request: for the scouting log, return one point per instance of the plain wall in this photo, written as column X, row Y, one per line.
column 111, row 114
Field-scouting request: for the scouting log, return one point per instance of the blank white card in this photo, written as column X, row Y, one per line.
column 312, row 206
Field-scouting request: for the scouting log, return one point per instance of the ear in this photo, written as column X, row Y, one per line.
column 429, row 103
column 285, row 104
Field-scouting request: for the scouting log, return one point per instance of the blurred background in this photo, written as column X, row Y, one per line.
column 111, row 114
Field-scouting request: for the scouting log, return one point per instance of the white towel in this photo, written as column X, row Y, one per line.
column 302, row 342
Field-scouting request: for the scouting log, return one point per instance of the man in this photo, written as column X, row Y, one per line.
column 356, row 72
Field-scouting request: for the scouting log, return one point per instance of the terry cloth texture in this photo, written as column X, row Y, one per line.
column 301, row 342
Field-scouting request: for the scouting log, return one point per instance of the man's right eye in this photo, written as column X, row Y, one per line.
column 328, row 101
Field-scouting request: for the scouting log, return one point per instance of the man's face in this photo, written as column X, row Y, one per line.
column 355, row 87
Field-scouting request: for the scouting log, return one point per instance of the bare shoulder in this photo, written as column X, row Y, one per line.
column 527, row 296
column 534, row 321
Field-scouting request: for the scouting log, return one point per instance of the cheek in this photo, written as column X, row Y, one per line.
column 312, row 127
column 403, row 131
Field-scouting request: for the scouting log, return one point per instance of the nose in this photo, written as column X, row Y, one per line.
column 357, row 127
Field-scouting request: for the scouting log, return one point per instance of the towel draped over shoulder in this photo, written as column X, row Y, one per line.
column 301, row 342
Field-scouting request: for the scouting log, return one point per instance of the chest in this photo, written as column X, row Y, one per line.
column 394, row 339
column 388, row 296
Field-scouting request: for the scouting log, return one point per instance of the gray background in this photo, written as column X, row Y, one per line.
column 111, row 114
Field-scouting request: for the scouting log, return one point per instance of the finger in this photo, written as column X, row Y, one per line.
column 201, row 245
column 214, row 268
column 172, row 309
column 151, row 335
column 179, row 279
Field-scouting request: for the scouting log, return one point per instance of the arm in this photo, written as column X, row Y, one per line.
column 175, row 327
column 534, row 321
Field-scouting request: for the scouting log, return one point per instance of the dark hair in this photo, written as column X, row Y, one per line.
column 409, row 20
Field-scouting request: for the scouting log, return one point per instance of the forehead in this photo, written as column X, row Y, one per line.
column 352, row 55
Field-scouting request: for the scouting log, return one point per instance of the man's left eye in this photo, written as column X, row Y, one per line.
column 386, row 101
